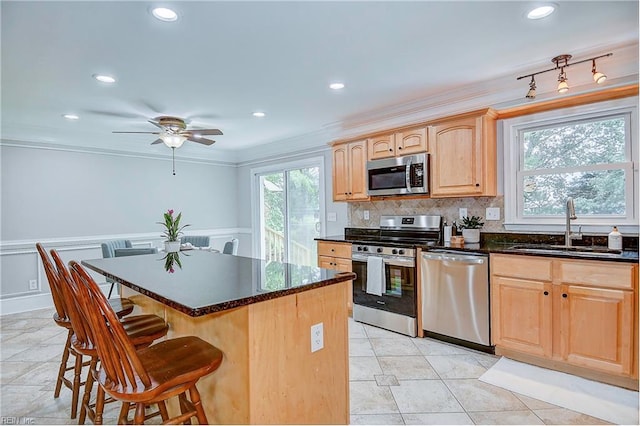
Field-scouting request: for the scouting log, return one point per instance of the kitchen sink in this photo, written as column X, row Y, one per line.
column 590, row 251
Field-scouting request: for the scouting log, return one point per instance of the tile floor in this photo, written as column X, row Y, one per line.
column 394, row 380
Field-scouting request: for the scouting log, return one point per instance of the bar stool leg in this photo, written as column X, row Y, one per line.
column 77, row 372
column 63, row 365
column 99, row 405
column 197, row 403
column 140, row 414
column 88, row 386
column 163, row 411
column 123, row 418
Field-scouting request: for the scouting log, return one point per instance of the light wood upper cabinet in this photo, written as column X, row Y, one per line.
column 404, row 142
column 463, row 156
column 579, row 313
column 383, row 146
column 350, row 171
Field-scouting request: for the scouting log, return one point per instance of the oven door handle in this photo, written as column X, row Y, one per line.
column 395, row 261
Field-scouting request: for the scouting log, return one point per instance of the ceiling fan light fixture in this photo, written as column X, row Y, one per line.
column 164, row 14
column 173, row 141
column 103, row 78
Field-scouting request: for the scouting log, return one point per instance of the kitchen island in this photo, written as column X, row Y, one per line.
column 260, row 315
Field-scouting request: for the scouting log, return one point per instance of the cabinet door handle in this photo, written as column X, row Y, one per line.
column 546, row 293
column 390, row 149
column 333, row 250
column 477, row 184
column 564, row 295
column 399, row 147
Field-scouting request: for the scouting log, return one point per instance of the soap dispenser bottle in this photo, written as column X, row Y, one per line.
column 615, row 239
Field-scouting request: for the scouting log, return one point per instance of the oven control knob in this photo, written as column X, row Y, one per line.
column 379, row 250
column 400, row 251
column 359, row 248
column 365, row 249
column 394, row 251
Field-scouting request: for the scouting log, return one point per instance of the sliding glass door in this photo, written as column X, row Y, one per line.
column 289, row 213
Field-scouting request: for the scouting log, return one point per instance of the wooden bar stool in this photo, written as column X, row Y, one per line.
column 151, row 375
column 121, row 307
column 143, row 330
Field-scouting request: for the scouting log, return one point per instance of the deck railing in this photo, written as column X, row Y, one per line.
column 274, row 249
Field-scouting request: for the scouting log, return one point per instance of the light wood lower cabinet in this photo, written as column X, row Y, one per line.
column 335, row 255
column 573, row 315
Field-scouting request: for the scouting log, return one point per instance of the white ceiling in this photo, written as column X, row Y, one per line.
column 223, row 60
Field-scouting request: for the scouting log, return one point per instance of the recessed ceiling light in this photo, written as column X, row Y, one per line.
column 258, row 114
column 104, row 78
column 541, row 11
column 71, row 117
column 336, row 86
column 164, row 14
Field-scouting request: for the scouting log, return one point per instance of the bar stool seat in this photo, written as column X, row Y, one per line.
column 145, row 376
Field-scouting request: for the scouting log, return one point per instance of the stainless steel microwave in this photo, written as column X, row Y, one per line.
column 400, row 175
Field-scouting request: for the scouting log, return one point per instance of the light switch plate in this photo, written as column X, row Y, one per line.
column 366, row 215
column 317, row 337
column 332, row 216
column 462, row 212
column 492, row 213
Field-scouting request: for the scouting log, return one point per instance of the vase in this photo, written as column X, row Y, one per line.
column 172, row 246
column 471, row 235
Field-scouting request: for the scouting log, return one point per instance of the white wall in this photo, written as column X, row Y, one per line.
column 72, row 200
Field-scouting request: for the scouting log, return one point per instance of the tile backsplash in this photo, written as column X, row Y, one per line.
column 445, row 207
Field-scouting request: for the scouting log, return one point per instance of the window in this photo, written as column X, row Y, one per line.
column 584, row 152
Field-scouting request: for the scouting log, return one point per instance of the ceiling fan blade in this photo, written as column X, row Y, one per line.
column 147, row 133
column 203, row 141
column 206, row 132
column 114, row 113
column 157, row 141
column 155, row 123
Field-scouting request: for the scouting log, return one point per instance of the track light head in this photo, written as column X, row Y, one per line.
column 531, row 94
column 563, row 86
column 598, row 77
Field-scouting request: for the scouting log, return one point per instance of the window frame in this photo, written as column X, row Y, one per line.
column 512, row 130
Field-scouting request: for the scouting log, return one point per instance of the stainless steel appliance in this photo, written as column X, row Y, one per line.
column 455, row 297
column 394, row 307
column 398, row 175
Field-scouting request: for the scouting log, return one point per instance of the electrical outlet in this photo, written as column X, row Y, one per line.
column 33, row 284
column 462, row 212
column 366, row 214
column 317, row 337
column 332, row 217
column 492, row 213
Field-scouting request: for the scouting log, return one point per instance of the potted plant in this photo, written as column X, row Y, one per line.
column 172, row 231
column 471, row 228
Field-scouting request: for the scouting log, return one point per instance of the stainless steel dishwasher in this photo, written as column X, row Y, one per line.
column 455, row 296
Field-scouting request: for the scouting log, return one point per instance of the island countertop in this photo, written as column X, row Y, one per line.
column 211, row 282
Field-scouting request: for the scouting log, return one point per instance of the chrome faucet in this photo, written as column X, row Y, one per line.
column 571, row 215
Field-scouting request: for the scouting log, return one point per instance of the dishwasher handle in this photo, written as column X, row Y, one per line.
column 465, row 259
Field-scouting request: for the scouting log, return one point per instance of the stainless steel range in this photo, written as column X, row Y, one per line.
column 384, row 260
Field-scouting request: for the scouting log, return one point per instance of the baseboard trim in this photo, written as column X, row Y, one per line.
column 32, row 302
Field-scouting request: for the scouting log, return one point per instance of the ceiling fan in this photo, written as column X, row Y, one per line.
column 173, row 133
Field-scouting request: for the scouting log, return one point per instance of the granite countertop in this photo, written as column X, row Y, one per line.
column 211, row 282
column 518, row 244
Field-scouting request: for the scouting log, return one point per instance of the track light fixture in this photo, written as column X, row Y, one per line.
column 561, row 62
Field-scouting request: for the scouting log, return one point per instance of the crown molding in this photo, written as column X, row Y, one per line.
column 102, row 151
